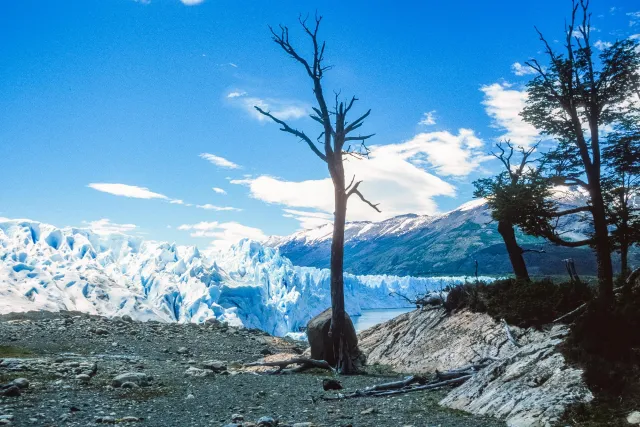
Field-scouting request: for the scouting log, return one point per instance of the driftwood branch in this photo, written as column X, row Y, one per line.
column 387, row 390
column 510, row 336
column 304, row 363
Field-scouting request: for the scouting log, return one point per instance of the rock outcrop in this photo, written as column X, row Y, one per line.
column 526, row 385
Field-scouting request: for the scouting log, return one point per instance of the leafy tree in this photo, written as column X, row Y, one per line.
column 621, row 183
column 333, row 144
column 517, row 196
column 573, row 100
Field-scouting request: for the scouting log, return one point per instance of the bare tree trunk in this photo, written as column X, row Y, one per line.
column 514, row 250
column 341, row 348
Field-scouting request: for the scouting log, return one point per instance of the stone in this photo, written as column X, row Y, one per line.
column 83, row 378
column 129, row 385
column 266, row 422
column 634, row 418
column 197, row 372
column 322, row 345
column 22, row 383
column 305, row 424
column 11, row 391
column 130, row 419
column 214, row 365
column 368, row 411
column 237, row 418
column 105, row 420
column 139, row 378
column 183, row 350
column 331, row 384
column 127, row 318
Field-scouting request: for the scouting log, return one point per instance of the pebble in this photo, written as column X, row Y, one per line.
column 13, row 391
column 235, row 418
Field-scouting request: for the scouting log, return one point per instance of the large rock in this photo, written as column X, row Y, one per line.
column 321, row 345
column 530, row 386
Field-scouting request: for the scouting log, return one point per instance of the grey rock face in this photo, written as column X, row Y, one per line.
column 529, row 385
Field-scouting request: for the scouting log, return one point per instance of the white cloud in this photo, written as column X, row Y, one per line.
column 211, row 207
column 522, row 70
column 105, row 226
column 225, row 234
column 504, row 105
column 428, row 119
column 280, row 108
column 236, row 94
column 219, row 161
column 602, row 45
column 400, row 177
column 177, row 202
column 125, row 190
column 219, row 190
column 308, row 219
column 191, row 2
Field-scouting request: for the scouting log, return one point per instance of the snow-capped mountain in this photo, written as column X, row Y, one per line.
column 448, row 243
column 47, row 268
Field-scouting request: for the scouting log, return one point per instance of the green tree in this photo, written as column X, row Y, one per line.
column 517, row 196
column 573, row 99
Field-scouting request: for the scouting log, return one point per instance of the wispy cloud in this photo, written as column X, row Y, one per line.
column 428, row 119
column 522, row 70
column 308, row 219
column 125, row 190
column 191, row 2
column 219, row 161
column 236, row 94
column 401, row 177
column 504, row 104
column 224, row 234
column 219, row 190
column 281, row 108
column 211, row 207
column 105, row 226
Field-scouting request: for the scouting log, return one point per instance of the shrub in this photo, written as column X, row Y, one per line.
column 523, row 304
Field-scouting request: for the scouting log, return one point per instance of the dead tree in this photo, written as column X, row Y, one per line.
column 337, row 140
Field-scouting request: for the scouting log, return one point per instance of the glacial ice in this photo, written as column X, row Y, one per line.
column 47, row 268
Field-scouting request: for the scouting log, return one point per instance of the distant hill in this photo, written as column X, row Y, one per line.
column 446, row 244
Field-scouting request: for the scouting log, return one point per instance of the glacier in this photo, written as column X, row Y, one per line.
column 43, row 267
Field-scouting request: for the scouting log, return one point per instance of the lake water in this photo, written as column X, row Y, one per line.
column 370, row 318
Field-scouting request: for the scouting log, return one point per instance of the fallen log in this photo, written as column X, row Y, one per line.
column 369, row 392
column 305, row 363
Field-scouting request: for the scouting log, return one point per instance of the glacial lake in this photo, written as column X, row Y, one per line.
column 370, row 318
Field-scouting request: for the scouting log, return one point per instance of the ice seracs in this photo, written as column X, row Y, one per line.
column 43, row 267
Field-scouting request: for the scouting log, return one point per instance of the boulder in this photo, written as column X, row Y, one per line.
column 321, row 345
column 138, row 378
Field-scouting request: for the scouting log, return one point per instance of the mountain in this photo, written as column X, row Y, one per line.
column 445, row 244
column 43, row 267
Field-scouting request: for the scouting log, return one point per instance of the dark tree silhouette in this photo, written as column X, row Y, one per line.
column 336, row 141
column 572, row 100
column 516, row 196
column 621, row 183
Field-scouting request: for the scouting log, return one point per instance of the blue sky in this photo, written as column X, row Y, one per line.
column 125, row 115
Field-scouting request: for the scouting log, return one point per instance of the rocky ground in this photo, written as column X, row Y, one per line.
column 71, row 369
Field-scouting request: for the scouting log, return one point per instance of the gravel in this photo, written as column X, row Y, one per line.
column 68, row 374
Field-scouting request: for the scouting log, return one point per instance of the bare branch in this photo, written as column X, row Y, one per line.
column 289, row 129
column 354, row 190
